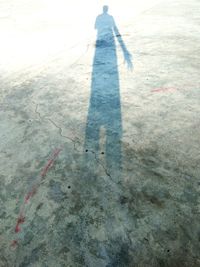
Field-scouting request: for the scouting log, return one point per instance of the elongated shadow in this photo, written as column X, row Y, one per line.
column 104, row 122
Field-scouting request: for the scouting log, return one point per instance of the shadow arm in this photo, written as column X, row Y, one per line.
column 126, row 53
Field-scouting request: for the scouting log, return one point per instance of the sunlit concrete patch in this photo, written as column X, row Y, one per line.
column 33, row 32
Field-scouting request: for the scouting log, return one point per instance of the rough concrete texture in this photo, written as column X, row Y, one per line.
column 124, row 189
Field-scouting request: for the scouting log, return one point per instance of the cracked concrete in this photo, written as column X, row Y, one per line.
column 124, row 188
column 72, row 140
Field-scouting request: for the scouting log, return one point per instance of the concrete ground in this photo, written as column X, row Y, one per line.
column 99, row 159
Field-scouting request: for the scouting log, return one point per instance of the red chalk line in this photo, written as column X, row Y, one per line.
column 50, row 162
column 20, row 220
column 31, row 193
column 164, row 89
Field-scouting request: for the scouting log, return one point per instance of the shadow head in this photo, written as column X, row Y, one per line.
column 105, row 9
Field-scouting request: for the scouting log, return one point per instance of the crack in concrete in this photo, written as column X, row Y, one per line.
column 64, row 136
column 72, row 140
column 78, row 59
column 104, row 168
column 99, row 162
column 36, row 111
column 58, row 127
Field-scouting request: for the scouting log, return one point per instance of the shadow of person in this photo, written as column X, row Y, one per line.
column 104, row 120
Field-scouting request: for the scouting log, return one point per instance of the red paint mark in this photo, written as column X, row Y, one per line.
column 50, row 162
column 20, row 220
column 47, row 167
column 164, row 89
column 31, row 193
column 14, row 243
